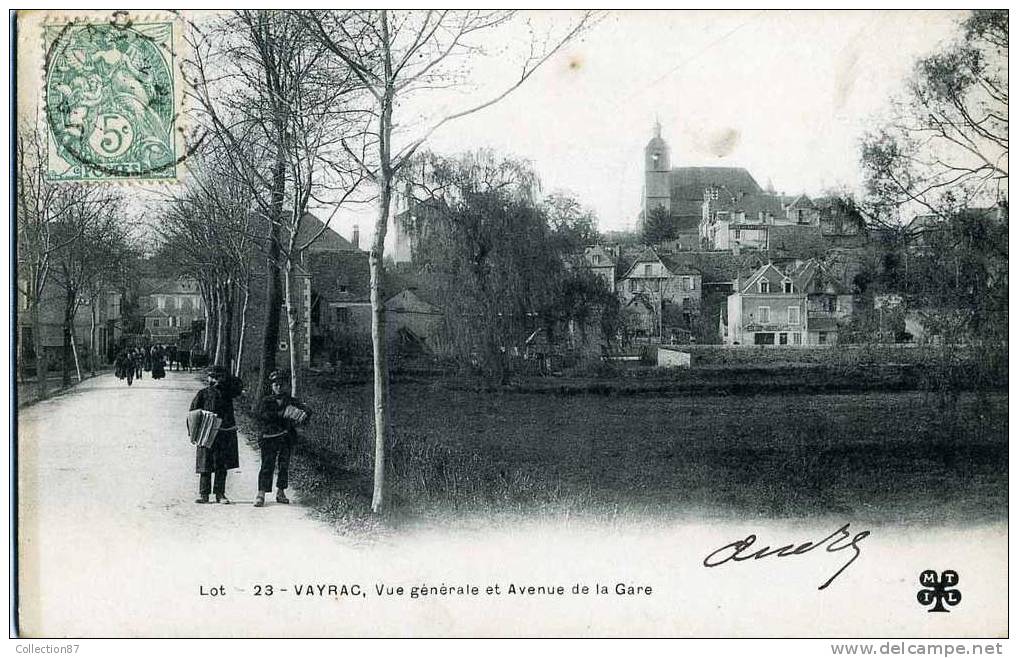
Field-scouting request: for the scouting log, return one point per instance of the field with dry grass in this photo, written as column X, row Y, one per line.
column 882, row 456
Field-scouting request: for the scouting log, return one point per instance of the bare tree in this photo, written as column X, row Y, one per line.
column 946, row 147
column 206, row 232
column 94, row 236
column 50, row 220
column 275, row 107
column 395, row 56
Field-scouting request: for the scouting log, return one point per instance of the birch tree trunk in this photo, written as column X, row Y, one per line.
column 69, row 299
column 378, row 337
column 291, row 323
column 74, row 348
column 41, row 362
column 243, row 328
column 217, row 291
column 207, row 311
column 91, row 338
column 228, row 326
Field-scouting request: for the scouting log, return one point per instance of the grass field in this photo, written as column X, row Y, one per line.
column 869, row 456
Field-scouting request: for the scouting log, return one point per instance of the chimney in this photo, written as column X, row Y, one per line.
column 356, row 239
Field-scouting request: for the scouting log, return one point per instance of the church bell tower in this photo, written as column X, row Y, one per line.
column 656, row 169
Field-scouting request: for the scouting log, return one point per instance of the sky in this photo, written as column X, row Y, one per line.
column 785, row 94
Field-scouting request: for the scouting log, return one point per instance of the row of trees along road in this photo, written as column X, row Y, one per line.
column 327, row 108
column 74, row 243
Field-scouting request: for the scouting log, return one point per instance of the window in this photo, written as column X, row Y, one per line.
column 763, row 339
column 687, row 283
column 738, row 234
column 793, row 315
column 632, row 285
column 160, row 301
column 796, row 339
column 648, row 269
column 802, row 216
column 597, row 259
column 765, row 315
column 782, row 339
column 765, row 286
column 822, row 338
column 341, row 315
column 787, row 285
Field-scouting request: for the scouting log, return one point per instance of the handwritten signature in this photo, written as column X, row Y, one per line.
column 742, row 549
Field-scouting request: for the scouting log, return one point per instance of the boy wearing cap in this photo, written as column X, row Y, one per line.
column 222, row 455
column 279, row 413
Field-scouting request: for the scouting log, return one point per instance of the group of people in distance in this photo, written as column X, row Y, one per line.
column 131, row 363
column 278, row 415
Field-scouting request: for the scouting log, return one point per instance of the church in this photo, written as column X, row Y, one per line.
column 680, row 190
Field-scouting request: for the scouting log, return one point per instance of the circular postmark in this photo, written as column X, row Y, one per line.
column 110, row 102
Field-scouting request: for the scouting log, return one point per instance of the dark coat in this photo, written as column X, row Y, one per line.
column 158, row 368
column 270, row 415
column 219, row 399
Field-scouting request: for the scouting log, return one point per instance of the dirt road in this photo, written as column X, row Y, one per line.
column 111, row 544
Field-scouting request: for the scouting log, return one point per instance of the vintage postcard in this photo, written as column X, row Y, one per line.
column 478, row 323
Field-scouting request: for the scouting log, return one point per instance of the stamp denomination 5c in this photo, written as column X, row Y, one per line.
column 111, row 100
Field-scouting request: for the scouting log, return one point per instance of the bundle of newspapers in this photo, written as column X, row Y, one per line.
column 295, row 414
column 203, row 426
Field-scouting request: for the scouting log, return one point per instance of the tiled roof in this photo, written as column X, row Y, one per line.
column 167, row 286
column 327, row 241
column 802, row 201
column 340, row 276
column 688, row 184
column 599, row 250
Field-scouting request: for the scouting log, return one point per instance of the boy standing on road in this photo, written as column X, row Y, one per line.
column 223, row 455
column 279, row 414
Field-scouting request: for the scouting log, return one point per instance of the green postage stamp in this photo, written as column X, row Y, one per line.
column 111, row 100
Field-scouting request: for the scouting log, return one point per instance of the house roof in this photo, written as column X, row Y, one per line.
column 768, row 270
column 679, row 264
column 327, row 239
column 155, row 312
column 608, row 260
column 150, row 285
column 788, row 239
column 752, row 205
column 340, row 275
column 687, row 186
column 409, row 299
column 802, row 201
column 674, row 264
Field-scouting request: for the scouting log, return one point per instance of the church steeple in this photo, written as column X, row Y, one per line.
column 656, row 168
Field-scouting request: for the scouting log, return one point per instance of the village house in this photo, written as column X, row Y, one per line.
column 660, row 294
column 412, row 322
column 168, row 306
column 801, row 305
column 746, row 221
column 107, row 324
column 601, row 261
